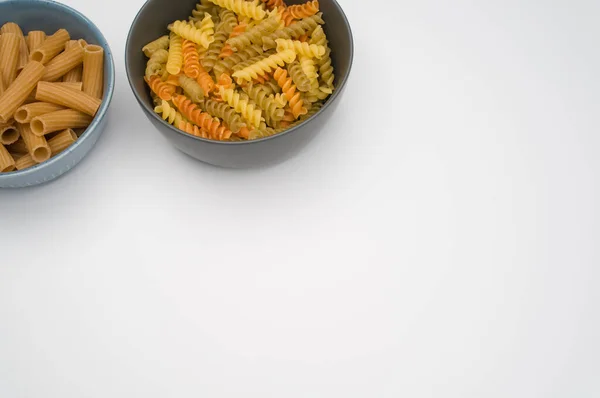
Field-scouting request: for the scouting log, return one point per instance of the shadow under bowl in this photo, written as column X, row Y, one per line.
column 50, row 16
column 151, row 23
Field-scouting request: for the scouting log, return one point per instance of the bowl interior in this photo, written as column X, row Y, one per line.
column 152, row 21
column 49, row 17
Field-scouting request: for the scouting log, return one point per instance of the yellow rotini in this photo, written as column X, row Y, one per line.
column 301, row 48
column 251, row 9
column 235, row 72
column 266, row 65
column 175, row 59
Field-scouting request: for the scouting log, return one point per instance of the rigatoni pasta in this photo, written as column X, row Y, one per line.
column 42, row 103
column 267, row 68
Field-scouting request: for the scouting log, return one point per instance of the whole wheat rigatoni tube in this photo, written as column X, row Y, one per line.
column 51, row 47
column 37, row 147
column 7, row 163
column 15, row 95
column 58, row 94
column 63, row 63
column 8, row 134
column 74, row 85
column 35, row 38
column 59, row 120
column 9, row 57
column 11, row 27
column 27, row 112
column 25, row 162
column 1, row 84
column 93, row 70
column 62, row 141
column 75, row 74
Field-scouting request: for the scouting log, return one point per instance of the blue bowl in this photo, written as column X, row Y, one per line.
column 50, row 16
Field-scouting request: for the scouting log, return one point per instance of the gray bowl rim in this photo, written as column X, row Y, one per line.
column 150, row 111
column 105, row 102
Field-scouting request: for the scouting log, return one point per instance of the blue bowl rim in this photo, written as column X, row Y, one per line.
column 105, row 101
column 330, row 100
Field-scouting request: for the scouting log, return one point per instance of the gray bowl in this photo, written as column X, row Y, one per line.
column 49, row 17
column 151, row 23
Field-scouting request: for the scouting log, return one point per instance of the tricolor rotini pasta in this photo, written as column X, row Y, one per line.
column 241, row 69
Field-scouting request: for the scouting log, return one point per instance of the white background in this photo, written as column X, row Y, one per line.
column 440, row 240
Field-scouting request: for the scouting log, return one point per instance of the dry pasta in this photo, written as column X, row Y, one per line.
column 12, row 27
column 51, row 47
column 27, row 112
column 67, row 97
column 14, row 96
column 59, row 120
column 61, row 64
column 93, row 70
column 62, row 141
column 241, row 69
column 8, row 134
column 9, row 57
column 35, row 38
column 7, row 162
column 37, row 146
column 75, row 74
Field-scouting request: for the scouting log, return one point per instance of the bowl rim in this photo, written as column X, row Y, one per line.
column 108, row 96
column 340, row 87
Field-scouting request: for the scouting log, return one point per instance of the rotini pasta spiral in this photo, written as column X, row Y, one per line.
column 279, row 99
column 254, row 35
column 207, row 29
column 272, row 4
column 300, row 78
column 205, row 81
column 273, row 113
column 169, row 114
column 157, row 63
column 305, row 49
column 242, row 106
column 252, row 61
column 226, row 113
column 227, row 51
column 250, row 9
column 162, row 43
column 212, row 54
column 160, row 88
column 294, row 31
column 205, row 6
column 191, row 88
column 175, row 60
column 325, row 66
column 192, row 129
column 307, row 9
column 289, row 89
column 261, row 132
column 266, row 65
column 191, row 59
column 191, row 111
column 192, row 33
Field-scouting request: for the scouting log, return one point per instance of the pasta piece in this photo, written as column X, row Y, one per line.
column 7, row 163
column 205, row 6
column 169, row 114
column 60, row 95
column 37, row 146
column 51, row 47
column 226, row 113
column 9, row 57
column 75, row 86
column 161, row 89
column 221, row 35
column 266, row 65
column 191, row 59
column 175, row 60
column 62, row 141
column 300, row 78
column 205, row 81
column 251, row 9
column 262, row 132
column 289, row 89
column 255, row 34
column 252, row 61
column 273, row 113
column 18, row 146
column 227, row 51
column 16, row 94
column 190, row 32
column 1, row 85
column 93, row 71
column 157, row 63
column 58, row 121
column 193, row 129
column 294, row 31
column 25, row 162
column 64, row 62
column 207, row 30
column 27, row 112
column 307, row 9
column 35, row 38
column 242, row 106
column 162, row 43
column 8, row 134
column 272, row 4
column 12, row 27
column 304, row 49
column 191, row 88
column 225, row 65
column 191, row 111
column 75, row 74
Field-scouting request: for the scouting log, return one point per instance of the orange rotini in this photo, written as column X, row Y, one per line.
column 163, row 90
column 202, row 119
column 191, row 59
column 305, row 10
column 293, row 96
